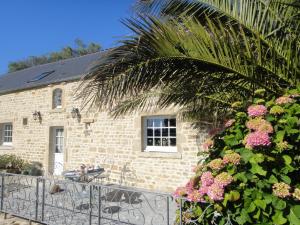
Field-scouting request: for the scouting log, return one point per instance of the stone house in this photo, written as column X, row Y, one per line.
column 41, row 120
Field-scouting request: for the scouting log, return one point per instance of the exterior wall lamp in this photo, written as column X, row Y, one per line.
column 37, row 115
column 75, row 113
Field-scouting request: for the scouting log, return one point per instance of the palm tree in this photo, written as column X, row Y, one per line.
column 200, row 55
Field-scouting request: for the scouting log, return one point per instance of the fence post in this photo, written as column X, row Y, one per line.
column 43, row 199
column 90, row 206
column 99, row 205
column 37, row 199
column 2, row 191
column 168, row 211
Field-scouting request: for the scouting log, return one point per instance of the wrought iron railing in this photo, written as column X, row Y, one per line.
column 63, row 202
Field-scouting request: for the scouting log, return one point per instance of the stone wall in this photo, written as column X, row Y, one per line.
column 97, row 138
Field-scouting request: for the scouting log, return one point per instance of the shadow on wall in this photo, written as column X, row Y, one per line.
column 117, row 172
column 128, row 175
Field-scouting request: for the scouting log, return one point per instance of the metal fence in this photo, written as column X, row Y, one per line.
column 62, row 202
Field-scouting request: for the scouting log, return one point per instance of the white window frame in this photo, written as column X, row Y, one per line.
column 54, row 95
column 4, row 130
column 59, row 139
column 167, row 149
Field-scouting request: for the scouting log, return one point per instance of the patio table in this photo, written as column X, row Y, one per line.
column 84, row 177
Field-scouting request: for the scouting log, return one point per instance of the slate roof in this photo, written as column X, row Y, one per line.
column 64, row 70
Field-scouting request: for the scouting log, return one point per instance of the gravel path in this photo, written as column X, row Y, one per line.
column 11, row 220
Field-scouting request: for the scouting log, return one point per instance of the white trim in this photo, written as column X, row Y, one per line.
column 160, row 149
column 4, row 143
column 163, row 149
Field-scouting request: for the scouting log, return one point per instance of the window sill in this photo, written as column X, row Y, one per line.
column 155, row 154
column 58, row 110
column 6, row 147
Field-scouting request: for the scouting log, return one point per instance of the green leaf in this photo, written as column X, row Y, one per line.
column 278, row 218
column 257, row 158
column 251, row 208
column 234, row 196
column 198, row 211
column 280, row 135
column 287, row 159
column 285, row 179
column 293, row 131
column 260, row 203
column 257, row 215
column 268, row 198
column 241, row 176
column 231, row 140
column 243, row 218
column 246, row 154
column 294, row 216
column 278, row 203
column 257, row 169
column 273, row 179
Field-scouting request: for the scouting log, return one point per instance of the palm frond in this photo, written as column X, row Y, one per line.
column 195, row 64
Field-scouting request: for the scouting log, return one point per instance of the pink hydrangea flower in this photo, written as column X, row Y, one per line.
column 283, row 100
column 259, row 124
column 195, row 196
column 257, row 139
column 207, row 145
column 223, row 179
column 216, row 164
column 207, row 179
column 197, row 168
column 229, row 123
column 233, row 158
column 281, row 190
column 215, row 192
column 190, row 186
column 257, row 110
column 203, row 190
column 179, row 192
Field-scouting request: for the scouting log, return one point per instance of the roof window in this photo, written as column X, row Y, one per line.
column 41, row 76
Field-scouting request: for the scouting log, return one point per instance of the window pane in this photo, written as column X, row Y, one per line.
column 173, row 141
column 157, row 122
column 7, row 133
column 157, row 142
column 173, row 132
column 150, row 132
column 57, row 98
column 149, row 123
column 157, row 132
column 165, row 142
column 165, row 132
column 149, row 141
column 172, row 122
column 165, row 123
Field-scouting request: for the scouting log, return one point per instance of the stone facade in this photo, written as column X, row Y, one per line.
column 96, row 138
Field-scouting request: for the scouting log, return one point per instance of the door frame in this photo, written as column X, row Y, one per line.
column 50, row 153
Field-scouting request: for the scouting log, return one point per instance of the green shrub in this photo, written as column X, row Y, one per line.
column 15, row 164
column 251, row 174
column 33, row 169
column 12, row 163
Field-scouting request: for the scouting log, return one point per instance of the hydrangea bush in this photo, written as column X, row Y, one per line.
column 251, row 174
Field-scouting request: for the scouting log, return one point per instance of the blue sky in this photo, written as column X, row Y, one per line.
column 37, row 27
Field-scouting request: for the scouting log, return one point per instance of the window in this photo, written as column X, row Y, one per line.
column 57, row 98
column 7, row 132
column 41, row 76
column 160, row 134
column 59, row 140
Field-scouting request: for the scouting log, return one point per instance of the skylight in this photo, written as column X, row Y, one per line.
column 41, row 76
